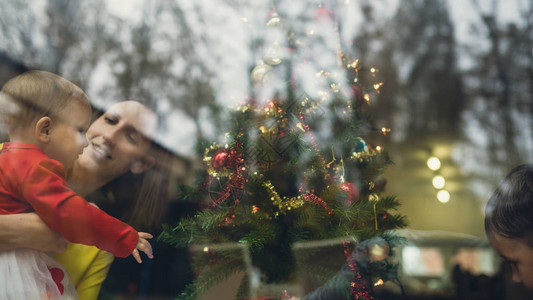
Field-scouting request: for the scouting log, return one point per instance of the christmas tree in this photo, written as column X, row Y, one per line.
column 296, row 169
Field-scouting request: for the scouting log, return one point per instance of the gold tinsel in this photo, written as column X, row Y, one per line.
column 284, row 204
column 361, row 156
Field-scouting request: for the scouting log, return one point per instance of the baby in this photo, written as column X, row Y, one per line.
column 46, row 123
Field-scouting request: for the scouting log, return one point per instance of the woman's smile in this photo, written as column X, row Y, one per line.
column 100, row 151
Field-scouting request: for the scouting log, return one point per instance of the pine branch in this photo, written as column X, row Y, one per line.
column 210, row 277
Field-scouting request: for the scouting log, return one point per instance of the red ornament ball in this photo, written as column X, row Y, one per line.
column 220, row 159
column 351, row 191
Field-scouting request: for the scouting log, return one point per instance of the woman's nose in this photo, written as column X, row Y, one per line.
column 109, row 137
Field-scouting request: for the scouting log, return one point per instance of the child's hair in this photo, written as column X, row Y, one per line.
column 35, row 94
column 509, row 211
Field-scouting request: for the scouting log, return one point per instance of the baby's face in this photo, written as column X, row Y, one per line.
column 519, row 255
column 67, row 137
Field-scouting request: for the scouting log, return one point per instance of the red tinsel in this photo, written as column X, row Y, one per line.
column 358, row 289
column 316, row 200
column 234, row 162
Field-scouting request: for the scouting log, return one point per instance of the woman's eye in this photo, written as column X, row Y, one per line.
column 132, row 138
column 110, row 120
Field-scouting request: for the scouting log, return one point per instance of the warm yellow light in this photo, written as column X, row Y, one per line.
column 372, row 70
column 385, row 130
column 378, row 148
column 433, row 163
column 367, row 98
column 443, row 196
column 438, row 182
column 379, row 282
column 206, row 249
column 353, row 64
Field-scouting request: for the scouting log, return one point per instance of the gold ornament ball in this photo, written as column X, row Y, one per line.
column 259, row 72
column 274, row 55
column 378, row 251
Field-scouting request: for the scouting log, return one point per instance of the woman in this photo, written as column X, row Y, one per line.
column 122, row 171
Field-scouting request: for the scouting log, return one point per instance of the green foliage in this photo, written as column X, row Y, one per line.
column 225, row 266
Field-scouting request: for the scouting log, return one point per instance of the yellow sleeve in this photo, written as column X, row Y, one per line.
column 88, row 267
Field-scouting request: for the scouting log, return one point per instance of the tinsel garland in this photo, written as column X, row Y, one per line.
column 358, row 289
column 235, row 168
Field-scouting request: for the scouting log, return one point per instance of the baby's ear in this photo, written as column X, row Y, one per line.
column 144, row 163
column 43, row 127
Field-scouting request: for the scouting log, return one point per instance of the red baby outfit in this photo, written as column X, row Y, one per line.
column 30, row 181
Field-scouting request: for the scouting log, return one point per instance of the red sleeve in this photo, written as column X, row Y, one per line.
column 72, row 216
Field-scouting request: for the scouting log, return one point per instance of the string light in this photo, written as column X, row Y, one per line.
column 377, row 86
column 433, row 163
column 385, row 130
column 353, row 64
column 443, row 196
column 438, row 182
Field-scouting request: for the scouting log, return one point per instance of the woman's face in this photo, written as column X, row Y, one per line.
column 118, row 140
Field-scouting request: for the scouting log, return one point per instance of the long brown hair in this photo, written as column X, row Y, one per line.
column 138, row 199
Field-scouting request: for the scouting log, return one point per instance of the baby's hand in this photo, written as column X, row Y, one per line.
column 144, row 246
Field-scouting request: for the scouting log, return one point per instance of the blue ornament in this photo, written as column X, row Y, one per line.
column 360, row 146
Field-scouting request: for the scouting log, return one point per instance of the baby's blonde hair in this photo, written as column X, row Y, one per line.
column 35, row 94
